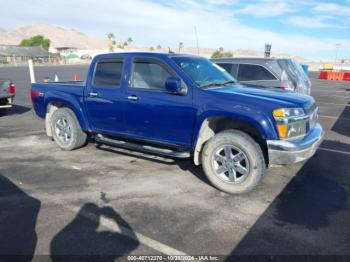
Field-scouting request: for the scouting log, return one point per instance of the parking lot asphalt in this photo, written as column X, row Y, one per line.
column 109, row 201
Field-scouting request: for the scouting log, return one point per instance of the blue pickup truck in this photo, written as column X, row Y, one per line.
column 182, row 106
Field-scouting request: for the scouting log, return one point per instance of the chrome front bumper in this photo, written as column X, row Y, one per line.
column 288, row 152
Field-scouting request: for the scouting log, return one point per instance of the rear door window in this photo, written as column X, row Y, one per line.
column 108, row 73
column 248, row 72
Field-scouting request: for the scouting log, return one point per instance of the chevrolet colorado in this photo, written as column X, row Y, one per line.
column 182, row 106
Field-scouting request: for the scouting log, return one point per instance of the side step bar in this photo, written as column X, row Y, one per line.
column 143, row 148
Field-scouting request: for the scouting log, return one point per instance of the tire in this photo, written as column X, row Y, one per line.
column 242, row 171
column 3, row 111
column 66, row 130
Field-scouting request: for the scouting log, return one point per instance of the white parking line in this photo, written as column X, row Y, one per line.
column 335, row 117
column 331, row 96
column 334, row 151
column 326, row 103
column 330, row 91
column 110, row 224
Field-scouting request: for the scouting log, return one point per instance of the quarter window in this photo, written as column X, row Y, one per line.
column 148, row 74
column 227, row 67
column 248, row 72
column 230, row 68
column 108, row 73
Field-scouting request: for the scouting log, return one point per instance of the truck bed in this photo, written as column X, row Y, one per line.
column 73, row 90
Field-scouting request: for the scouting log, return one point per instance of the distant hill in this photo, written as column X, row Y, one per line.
column 59, row 36
column 63, row 37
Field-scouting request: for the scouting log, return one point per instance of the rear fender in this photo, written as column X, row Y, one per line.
column 52, row 104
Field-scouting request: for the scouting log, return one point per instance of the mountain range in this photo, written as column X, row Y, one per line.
column 63, row 37
column 60, row 37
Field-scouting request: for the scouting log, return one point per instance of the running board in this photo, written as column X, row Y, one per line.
column 143, row 148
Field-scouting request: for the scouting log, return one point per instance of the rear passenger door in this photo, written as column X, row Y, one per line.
column 256, row 75
column 152, row 113
column 104, row 97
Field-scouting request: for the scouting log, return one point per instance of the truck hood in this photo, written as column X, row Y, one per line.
column 278, row 97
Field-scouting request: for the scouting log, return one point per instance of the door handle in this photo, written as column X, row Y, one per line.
column 93, row 94
column 133, row 98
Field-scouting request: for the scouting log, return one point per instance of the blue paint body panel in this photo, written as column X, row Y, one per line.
column 159, row 116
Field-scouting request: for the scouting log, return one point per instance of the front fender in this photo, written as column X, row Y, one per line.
column 260, row 121
column 207, row 122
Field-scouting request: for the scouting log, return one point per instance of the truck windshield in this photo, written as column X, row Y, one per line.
column 203, row 72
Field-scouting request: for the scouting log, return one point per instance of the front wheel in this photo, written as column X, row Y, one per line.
column 66, row 129
column 233, row 162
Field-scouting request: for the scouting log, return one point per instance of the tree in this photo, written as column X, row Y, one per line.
column 221, row 53
column 159, row 47
column 151, row 48
column 129, row 41
column 181, row 45
column 110, row 36
column 38, row 40
column 112, row 41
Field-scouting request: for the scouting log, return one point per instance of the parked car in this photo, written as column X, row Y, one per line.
column 181, row 106
column 7, row 94
column 286, row 74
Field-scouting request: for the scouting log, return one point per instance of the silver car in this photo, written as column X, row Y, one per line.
column 286, row 74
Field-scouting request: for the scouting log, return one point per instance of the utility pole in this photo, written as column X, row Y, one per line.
column 337, row 45
column 267, row 50
column 196, row 35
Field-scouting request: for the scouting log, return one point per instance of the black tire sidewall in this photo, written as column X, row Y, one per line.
column 251, row 149
column 75, row 128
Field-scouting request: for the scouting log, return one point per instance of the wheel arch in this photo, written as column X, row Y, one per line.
column 54, row 104
column 214, row 124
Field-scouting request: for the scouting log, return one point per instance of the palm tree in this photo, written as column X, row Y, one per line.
column 181, row 45
column 110, row 36
column 112, row 41
column 130, row 40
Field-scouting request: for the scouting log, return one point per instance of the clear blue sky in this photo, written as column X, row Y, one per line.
column 306, row 28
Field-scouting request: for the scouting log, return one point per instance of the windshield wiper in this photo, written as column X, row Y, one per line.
column 219, row 83
column 229, row 82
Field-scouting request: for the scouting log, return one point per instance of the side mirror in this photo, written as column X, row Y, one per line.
column 173, row 85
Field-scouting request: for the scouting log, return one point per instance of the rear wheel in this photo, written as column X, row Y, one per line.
column 233, row 162
column 66, row 130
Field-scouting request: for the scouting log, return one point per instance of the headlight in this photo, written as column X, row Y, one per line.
column 291, row 123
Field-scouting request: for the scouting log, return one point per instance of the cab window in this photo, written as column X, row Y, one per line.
column 148, row 74
column 108, row 73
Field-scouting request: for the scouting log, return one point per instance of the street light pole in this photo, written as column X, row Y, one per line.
column 337, row 45
column 196, row 36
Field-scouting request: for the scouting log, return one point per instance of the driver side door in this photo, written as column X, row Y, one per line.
column 152, row 113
